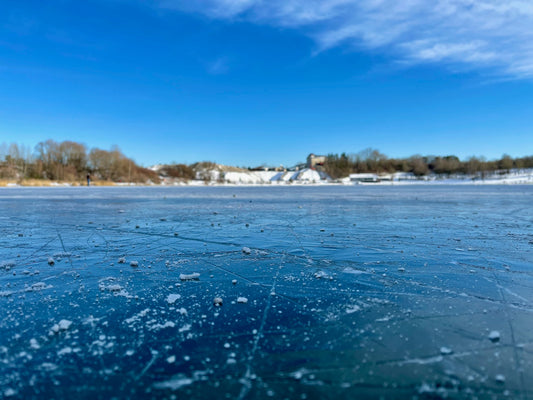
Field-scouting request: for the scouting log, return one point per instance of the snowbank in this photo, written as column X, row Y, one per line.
column 217, row 174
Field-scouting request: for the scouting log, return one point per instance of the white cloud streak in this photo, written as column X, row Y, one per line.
column 489, row 35
column 218, row 67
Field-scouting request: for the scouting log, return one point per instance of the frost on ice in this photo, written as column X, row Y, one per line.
column 190, row 277
column 171, row 298
column 114, row 288
column 62, row 325
column 7, row 265
column 352, row 309
column 37, row 287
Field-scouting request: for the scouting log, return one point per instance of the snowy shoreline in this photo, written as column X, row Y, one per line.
column 197, row 184
column 309, row 177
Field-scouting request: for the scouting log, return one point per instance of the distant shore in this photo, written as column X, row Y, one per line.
column 304, row 177
column 198, row 183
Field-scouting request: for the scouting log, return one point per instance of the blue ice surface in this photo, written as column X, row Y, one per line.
column 352, row 292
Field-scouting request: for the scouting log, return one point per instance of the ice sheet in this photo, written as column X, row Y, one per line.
column 350, row 292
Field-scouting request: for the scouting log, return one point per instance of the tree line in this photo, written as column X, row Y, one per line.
column 70, row 162
column 372, row 161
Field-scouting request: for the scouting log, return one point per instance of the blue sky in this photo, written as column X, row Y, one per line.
column 248, row 82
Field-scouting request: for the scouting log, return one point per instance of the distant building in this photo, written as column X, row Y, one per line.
column 368, row 178
column 263, row 168
column 314, row 160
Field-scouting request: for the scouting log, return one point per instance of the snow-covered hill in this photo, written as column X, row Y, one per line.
column 221, row 174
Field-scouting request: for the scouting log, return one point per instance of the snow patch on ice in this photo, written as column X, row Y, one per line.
column 322, row 275
column 171, row 298
column 48, row 367
column 37, row 287
column 65, row 350
column 445, row 351
column 137, row 317
column 181, row 380
column 190, row 277
column 7, row 265
column 350, row 270
column 10, row 392
column 352, row 309
column 63, row 325
column 114, row 288
column 157, row 326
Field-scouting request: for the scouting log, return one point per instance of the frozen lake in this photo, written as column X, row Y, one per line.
column 327, row 292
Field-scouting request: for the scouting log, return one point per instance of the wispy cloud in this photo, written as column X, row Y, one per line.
column 491, row 35
column 218, row 67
